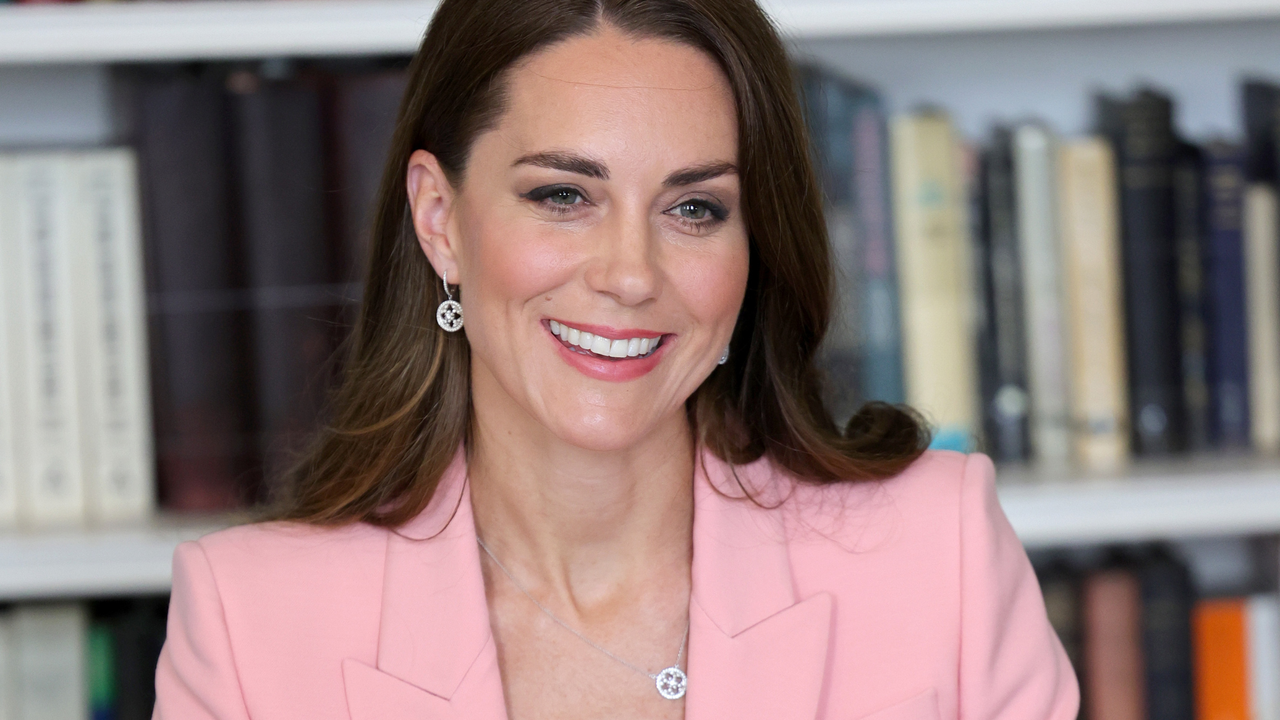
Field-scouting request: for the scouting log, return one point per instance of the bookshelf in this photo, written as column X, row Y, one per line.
column 223, row 29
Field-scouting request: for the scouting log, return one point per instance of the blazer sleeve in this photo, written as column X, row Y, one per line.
column 196, row 678
column 1012, row 665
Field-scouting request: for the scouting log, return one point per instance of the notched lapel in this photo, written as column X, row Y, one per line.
column 375, row 695
column 774, row 669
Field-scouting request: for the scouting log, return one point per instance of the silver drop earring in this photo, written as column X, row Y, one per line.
column 725, row 357
column 449, row 314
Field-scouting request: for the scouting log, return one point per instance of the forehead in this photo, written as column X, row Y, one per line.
column 609, row 93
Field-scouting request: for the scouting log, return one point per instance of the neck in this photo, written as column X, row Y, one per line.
column 585, row 525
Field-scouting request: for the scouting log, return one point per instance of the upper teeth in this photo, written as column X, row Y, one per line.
column 600, row 345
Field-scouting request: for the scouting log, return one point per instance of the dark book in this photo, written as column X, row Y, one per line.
column 1061, row 586
column 1001, row 339
column 135, row 633
column 279, row 152
column 1189, row 231
column 364, row 108
column 1261, row 103
column 1141, row 130
column 1224, row 290
column 1167, row 603
column 197, row 329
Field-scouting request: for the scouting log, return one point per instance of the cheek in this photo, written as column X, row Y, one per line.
column 712, row 285
column 511, row 262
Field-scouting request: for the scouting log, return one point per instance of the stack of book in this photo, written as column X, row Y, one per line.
column 1146, row 644
column 1070, row 302
column 80, row 660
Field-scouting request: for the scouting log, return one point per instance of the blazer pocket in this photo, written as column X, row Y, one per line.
column 374, row 695
column 919, row 707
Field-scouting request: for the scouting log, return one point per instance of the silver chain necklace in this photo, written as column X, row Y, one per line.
column 671, row 682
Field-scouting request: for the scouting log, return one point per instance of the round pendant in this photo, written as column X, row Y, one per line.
column 671, row 683
column 449, row 315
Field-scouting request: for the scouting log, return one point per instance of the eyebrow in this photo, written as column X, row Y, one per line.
column 581, row 165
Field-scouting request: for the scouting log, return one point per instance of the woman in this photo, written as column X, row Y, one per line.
column 615, row 492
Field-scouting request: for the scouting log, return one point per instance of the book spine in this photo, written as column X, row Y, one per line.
column 111, row 312
column 881, row 339
column 1095, row 320
column 101, row 672
column 10, row 425
column 1227, row 343
column 1112, row 606
column 8, row 667
column 1221, row 659
column 1005, row 399
column 1262, row 276
column 51, row 661
column 51, row 485
column 1167, row 604
column 1035, row 173
column 1264, row 656
column 1188, row 229
column 1154, row 350
column 933, row 276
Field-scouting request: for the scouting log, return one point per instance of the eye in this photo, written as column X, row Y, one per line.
column 699, row 212
column 693, row 210
column 556, row 198
column 564, row 196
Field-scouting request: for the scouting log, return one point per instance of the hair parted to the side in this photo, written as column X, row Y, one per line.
column 404, row 405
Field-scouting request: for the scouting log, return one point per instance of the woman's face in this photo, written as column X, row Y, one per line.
column 598, row 238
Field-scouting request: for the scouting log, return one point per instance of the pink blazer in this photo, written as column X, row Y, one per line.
column 909, row 599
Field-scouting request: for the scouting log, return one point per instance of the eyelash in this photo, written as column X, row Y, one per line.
column 542, row 196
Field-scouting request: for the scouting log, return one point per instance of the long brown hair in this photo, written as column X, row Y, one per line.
column 403, row 408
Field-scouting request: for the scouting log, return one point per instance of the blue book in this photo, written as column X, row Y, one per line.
column 1226, row 341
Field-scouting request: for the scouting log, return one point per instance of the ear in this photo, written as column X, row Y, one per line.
column 431, row 203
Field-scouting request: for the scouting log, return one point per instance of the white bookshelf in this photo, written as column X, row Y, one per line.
column 221, row 29
column 95, row 562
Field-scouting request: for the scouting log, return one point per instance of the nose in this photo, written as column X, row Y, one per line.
column 625, row 263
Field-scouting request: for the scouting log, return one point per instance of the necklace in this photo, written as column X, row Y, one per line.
column 671, row 682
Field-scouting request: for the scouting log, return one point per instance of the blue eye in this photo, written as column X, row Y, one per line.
column 559, row 197
column 693, row 210
column 564, row 196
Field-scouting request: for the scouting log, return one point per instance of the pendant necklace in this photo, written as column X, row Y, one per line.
column 671, row 682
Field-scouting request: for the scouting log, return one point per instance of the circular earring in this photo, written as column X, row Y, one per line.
column 725, row 357
column 449, row 314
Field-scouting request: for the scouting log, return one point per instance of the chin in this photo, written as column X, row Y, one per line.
column 612, row 432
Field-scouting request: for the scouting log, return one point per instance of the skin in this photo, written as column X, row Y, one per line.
column 582, row 486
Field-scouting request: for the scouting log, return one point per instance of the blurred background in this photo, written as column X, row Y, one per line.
column 1054, row 224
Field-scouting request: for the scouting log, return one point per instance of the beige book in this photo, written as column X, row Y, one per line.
column 933, row 275
column 1262, row 302
column 1090, row 230
column 9, row 353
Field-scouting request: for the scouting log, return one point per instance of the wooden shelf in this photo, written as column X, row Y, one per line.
column 95, row 562
column 1198, row 498
column 225, row 29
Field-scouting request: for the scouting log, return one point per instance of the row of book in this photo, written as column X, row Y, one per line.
column 80, row 660
column 1068, row 301
column 170, row 309
column 1145, row 646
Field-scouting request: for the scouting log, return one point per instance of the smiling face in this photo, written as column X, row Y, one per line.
column 598, row 238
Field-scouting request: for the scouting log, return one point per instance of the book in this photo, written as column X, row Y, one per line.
column 138, row 633
column 1188, row 231
column 1224, row 288
column 1090, row 228
column 1260, row 101
column 51, row 481
column 10, row 423
column 1167, row 603
column 1061, row 586
column 111, row 337
column 1264, row 656
column 1115, row 681
column 295, row 298
column 205, row 452
column 1035, row 175
column 1001, row 349
column 8, row 666
column 934, row 276
column 50, row 642
column 101, row 672
column 1262, row 276
column 1221, row 659
column 1141, row 130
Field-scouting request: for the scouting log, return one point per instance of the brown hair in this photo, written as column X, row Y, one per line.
column 403, row 407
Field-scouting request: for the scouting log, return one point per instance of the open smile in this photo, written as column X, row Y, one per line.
column 596, row 345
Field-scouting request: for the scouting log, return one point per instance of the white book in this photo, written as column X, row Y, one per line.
column 111, row 350
column 50, row 486
column 50, row 641
column 1262, row 306
column 1264, row 656
column 8, row 352
column 1035, row 178
column 8, row 668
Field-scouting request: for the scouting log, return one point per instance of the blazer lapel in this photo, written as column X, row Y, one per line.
column 755, row 649
column 436, row 657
